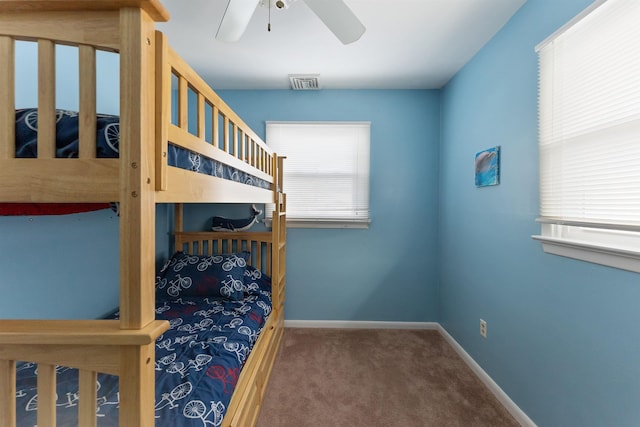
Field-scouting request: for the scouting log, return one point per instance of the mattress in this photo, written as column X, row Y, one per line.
column 198, row 361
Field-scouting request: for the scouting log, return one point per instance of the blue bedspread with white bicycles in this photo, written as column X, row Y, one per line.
column 198, row 361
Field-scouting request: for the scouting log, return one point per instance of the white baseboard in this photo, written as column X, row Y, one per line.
column 502, row 397
column 506, row 401
column 349, row 324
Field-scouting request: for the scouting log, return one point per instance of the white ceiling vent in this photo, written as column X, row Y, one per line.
column 305, row 82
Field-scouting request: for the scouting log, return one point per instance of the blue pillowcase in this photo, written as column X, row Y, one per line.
column 220, row 276
column 256, row 281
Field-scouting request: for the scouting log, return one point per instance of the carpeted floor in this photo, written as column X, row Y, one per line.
column 375, row 378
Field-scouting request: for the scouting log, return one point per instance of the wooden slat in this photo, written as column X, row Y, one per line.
column 215, row 125
column 201, row 121
column 7, row 95
column 100, row 358
column 236, row 146
column 163, row 109
column 179, row 217
column 46, row 395
column 8, row 393
column 98, row 29
column 22, row 181
column 87, row 406
column 192, row 187
column 258, row 255
column 87, row 119
column 225, row 135
column 153, row 7
column 46, row 99
column 77, row 332
column 183, row 101
column 279, row 161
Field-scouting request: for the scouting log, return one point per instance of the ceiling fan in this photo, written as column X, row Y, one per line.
column 335, row 14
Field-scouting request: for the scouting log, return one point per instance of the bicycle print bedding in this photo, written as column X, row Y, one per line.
column 198, row 361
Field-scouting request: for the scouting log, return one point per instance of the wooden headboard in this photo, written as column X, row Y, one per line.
column 210, row 243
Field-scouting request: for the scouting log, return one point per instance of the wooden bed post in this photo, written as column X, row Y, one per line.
column 8, row 392
column 279, row 231
column 137, row 211
column 178, row 222
column 7, row 94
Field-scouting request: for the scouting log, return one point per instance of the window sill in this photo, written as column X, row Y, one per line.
column 298, row 223
column 605, row 255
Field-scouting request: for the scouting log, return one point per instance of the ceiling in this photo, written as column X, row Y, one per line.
column 408, row 44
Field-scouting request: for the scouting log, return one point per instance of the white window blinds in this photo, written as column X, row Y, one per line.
column 326, row 177
column 589, row 116
column 589, row 136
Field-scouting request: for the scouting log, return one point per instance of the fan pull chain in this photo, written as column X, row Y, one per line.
column 269, row 23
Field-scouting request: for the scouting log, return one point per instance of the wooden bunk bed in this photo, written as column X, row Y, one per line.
column 138, row 180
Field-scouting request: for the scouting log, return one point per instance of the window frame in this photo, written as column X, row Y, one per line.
column 610, row 243
column 364, row 156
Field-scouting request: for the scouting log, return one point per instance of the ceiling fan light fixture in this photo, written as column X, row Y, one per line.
column 304, row 81
column 279, row 4
column 283, row 4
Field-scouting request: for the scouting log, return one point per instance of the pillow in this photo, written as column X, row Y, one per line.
column 255, row 280
column 220, row 276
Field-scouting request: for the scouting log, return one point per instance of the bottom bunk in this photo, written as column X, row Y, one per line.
column 213, row 363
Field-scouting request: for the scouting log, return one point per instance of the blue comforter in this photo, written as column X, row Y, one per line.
column 198, row 361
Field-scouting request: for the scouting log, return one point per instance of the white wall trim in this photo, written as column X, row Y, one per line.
column 349, row 324
column 506, row 401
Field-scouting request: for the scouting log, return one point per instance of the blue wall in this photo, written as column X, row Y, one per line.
column 65, row 267
column 563, row 337
column 59, row 266
column 388, row 271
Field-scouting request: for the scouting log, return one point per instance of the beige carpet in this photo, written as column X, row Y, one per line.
column 375, row 377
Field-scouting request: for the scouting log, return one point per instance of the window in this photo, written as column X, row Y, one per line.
column 326, row 176
column 589, row 136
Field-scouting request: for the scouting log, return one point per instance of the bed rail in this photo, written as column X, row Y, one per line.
column 91, row 346
column 189, row 114
column 23, row 180
column 205, row 124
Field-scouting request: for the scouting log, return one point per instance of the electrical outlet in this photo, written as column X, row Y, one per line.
column 483, row 328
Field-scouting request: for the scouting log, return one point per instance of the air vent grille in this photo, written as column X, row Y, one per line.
column 305, row 82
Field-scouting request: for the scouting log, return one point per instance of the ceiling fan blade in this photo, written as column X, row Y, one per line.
column 235, row 19
column 337, row 16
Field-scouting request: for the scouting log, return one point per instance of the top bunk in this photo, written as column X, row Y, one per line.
column 179, row 142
